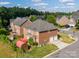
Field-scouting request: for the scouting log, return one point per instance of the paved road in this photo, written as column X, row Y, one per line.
column 71, row 51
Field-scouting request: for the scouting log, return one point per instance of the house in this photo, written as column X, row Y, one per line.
column 75, row 15
column 62, row 20
column 17, row 25
column 41, row 31
column 72, row 22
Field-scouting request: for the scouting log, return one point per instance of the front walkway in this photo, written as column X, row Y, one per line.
column 60, row 44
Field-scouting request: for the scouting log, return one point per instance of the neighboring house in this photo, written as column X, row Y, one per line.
column 72, row 22
column 41, row 31
column 62, row 20
column 17, row 25
column 75, row 15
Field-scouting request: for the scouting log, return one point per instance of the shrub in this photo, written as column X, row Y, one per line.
column 33, row 18
column 59, row 36
column 22, row 35
column 30, row 41
column 4, row 38
column 14, row 47
column 35, row 43
column 4, row 31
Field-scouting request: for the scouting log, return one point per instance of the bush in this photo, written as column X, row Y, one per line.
column 35, row 43
column 30, row 41
column 59, row 36
column 33, row 18
column 4, row 38
column 4, row 31
column 14, row 47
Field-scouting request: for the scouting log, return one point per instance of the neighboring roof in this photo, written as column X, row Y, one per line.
column 41, row 25
column 20, row 42
column 19, row 21
column 75, row 15
column 59, row 17
column 40, row 17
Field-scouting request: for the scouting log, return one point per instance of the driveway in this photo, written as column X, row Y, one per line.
column 60, row 44
column 71, row 51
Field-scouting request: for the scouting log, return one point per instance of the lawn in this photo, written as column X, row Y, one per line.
column 65, row 38
column 37, row 52
column 75, row 30
column 6, row 51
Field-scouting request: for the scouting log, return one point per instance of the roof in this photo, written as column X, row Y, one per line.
column 72, row 21
column 75, row 15
column 59, row 17
column 11, row 20
column 19, row 21
column 20, row 42
column 28, row 23
column 41, row 25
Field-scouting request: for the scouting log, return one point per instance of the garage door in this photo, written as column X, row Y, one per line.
column 54, row 38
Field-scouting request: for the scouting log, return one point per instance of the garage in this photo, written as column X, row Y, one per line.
column 54, row 38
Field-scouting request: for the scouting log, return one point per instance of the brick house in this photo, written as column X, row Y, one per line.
column 17, row 25
column 41, row 31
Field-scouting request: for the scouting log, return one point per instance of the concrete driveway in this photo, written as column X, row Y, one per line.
column 71, row 51
column 60, row 44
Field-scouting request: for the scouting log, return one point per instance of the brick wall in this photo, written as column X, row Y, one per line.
column 17, row 30
column 41, row 38
column 44, row 36
column 33, row 34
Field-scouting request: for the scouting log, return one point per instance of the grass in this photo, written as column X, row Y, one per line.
column 5, row 51
column 37, row 52
column 75, row 30
column 65, row 38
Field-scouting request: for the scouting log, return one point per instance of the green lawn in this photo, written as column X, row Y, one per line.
column 6, row 51
column 39, row 52
column 65, row 38
column 75, row 30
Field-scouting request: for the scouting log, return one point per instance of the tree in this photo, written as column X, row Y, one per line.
column 51, row 19
column 4, row 38
column 12, row 12
column 4, row 31
column 30, row 41
column 33, row 18
column 77, row 25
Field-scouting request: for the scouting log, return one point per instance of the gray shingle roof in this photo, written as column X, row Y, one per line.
column 41, row 25
column 75, row 15
column 19, row 21
column 59, row 17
